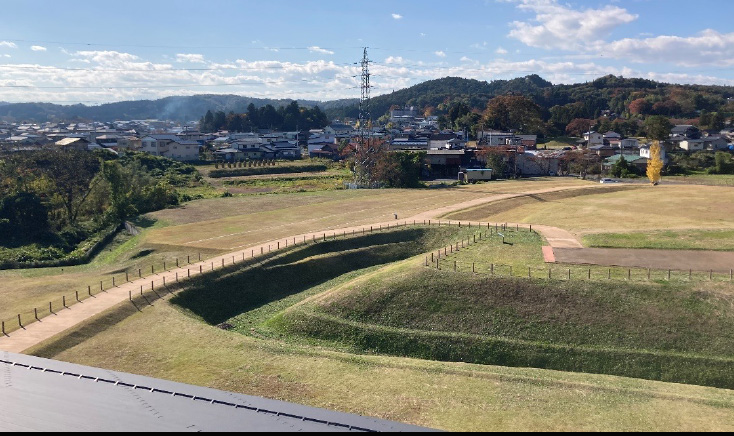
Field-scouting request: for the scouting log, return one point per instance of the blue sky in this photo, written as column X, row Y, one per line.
column 92, row 52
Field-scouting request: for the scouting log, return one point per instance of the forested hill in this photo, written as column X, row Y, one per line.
column 619, row 95
column 438, row 92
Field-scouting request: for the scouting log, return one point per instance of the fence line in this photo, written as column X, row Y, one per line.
column 132, row 274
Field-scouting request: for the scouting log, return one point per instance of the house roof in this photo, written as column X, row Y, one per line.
column 48, row 395
column 70, row 141
column 631, row 158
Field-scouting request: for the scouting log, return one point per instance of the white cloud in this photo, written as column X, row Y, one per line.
column 708, row 47
column 106, row 76
column 315, row 49
column 397, row 16
column 8, row 44
column 440, row 54
column 38, row 48
column 394, row 60
column 422, row 34
column 190, row 57
column 560, row 27
column 500, row 51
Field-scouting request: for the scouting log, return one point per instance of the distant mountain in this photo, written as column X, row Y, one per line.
column 561, row 102
column 169, row 108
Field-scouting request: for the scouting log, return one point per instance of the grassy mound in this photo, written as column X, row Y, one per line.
column 222, row 297
column 661, row 331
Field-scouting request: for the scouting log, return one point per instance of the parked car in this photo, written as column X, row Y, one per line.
column 606, row 180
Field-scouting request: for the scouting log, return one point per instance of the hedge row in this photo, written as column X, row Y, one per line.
column 253, row 171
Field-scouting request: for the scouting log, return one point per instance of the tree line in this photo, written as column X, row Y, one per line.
column 56, row 199
column 287, row 118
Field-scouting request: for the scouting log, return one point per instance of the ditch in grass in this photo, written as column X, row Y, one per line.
column 291, row 275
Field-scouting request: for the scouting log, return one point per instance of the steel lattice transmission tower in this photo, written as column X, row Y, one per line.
column 367, row 150
column 364, row 100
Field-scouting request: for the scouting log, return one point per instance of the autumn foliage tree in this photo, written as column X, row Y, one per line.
column 578, row 126
column 639, row 106
column 654, row 164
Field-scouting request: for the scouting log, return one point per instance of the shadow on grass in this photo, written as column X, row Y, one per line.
column 219, row 297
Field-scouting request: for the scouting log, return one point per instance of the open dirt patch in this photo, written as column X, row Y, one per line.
column 682, row 260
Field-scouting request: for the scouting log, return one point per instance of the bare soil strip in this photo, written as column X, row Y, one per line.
column 682, row 260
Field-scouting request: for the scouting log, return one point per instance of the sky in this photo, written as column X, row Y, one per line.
column 100, row 51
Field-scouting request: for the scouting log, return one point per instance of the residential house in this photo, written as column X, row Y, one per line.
column 171, row 146
column 639, row 162
column 409, row 143
column 406, row 114
column 129, row 142
column 593, row 138
column 328, row 151
column 229, row 154
column 687, row 131
column 645, row 152
column 603, row 150
column 286, row 149
column 73, row 144
column 445, row 140
column 709, row 143
column 445, row 163
column 339, row 130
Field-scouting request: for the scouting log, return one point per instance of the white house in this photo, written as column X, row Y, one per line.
column 645, row 152
column 709, row 143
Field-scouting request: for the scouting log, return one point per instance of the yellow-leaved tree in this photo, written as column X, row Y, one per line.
column 654, row 163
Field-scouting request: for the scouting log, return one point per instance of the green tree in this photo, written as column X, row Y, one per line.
column 622, row 168
column 516, row 112
column 723, row 163
column 658, row 127
column 73, row 174
column 23, row 216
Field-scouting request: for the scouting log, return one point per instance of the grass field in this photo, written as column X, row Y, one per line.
column 649, row 329
column 172, row 341
column 216, row 225
column 254, row 358
column 640, row 209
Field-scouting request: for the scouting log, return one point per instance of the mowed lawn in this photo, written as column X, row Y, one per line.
column 243, row 221
column 634, row 210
